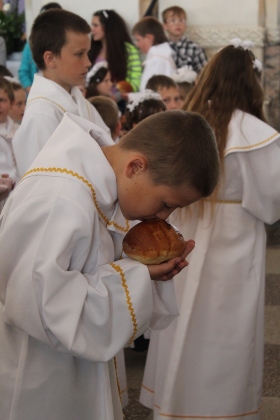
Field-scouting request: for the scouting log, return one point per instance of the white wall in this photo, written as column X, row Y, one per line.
column 217, row 12
column 128, row 9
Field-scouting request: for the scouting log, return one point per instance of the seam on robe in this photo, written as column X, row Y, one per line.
column 85, row 181
column 47, row 99
column 225, row 201
column 233, row 416
column 117, row 379
column 128, row 300
column 251, row 146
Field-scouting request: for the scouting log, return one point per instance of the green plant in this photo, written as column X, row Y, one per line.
column 12, row 26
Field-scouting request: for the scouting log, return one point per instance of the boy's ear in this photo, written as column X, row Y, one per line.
column 49, row 59
column 151, row 38
column 136, row 165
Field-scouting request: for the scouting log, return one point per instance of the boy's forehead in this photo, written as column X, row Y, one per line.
column 164, row 91
column 171, row 14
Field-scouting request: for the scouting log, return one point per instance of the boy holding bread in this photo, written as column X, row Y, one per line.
column 69, row 300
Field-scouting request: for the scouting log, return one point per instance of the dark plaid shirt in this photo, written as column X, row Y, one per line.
column 187, row 52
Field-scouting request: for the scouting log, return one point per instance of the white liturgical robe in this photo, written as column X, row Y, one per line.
column 47, row 102
column 208, row 363
column 69, row 303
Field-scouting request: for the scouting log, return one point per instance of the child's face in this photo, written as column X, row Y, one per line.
column 144, row 43
column 18, row 107
column 141, row 199
column 104, row 87
column 5, row 105
column 71, row 66
column 97, row 30
column 171, row 98
column 175, row 26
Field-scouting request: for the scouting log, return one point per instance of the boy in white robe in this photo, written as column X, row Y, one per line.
column 151, row 40
column 69, row 301
column 63, row 61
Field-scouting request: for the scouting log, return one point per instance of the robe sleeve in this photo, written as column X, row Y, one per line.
column 44, row 290
column 156, row 65
column 261, row 187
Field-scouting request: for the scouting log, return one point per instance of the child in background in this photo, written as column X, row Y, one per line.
column 28, row 67
column 185, row 77
column 209, row 362
column 109, row 112
column 19, row 103
column 150, row 39
column 68, row 301
column 111, row 41
column 186, row 52
column 98, row 80
column 168, row 90
column 7, row 131
column 63, row 61
column 142, row 105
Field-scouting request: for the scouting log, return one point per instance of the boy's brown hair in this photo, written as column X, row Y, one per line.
column 108, row 110
column 172, row 12
column 7, row 87
column 48, row 32
column 160, row 81
column 152, row 26
column 180, row 148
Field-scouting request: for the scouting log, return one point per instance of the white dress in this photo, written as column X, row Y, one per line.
column 7, row 158
column 47, row 102
column 159, row 60
column 67, row 306
column 209, row 362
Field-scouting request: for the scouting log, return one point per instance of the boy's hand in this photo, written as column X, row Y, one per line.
column 167, row 270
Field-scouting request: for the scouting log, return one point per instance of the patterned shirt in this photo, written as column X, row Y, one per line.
column 187, row 52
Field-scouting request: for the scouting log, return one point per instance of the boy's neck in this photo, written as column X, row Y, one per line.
column 175, row 38
column 50, row 76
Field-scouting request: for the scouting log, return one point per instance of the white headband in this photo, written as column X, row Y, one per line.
column 94, row 70
column 184, row 74
column 135, row 98
column 247, row 45
column 12, row 79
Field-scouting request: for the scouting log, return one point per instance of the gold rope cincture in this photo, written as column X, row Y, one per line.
column 128, row 300
column 85, row 181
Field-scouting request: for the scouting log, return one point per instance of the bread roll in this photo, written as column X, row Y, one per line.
column 153, row 241
column 124, row 87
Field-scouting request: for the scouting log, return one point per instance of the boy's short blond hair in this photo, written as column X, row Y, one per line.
column 150, row 26
column 108, row 110
column 180, row 148
column 173, row 11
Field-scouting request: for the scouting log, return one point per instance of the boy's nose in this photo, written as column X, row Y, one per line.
column 87, row 62
column 164, row 214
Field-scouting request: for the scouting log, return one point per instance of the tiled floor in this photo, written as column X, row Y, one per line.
column 135, row 361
